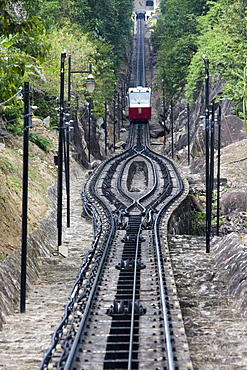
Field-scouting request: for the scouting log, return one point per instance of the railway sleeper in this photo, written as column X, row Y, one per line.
column 130, row 264
column 124, row 308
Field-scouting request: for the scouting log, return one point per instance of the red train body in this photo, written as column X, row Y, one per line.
column 139, row 103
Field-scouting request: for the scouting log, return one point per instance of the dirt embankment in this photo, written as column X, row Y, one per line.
column 42, row 173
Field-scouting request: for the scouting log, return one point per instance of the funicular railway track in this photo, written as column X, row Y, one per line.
column 123, row 310
column 140, row 76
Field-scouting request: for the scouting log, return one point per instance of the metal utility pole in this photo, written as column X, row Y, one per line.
column 60, row 152
column 172, row 123
column 163, row 102
column 105, row 127
column 212, row 148
column 27, row 125
column 89, row 128
column 114, row 119
column 208, row 181
column 218, row 170
column 188, row 129
column 118, row 115
column 90, row 85
column 164, row 111
column 67, row 148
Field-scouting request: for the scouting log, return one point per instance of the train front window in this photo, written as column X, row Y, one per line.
column 137, row 98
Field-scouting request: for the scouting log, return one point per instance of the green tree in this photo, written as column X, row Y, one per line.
column 21, row 42
column 108, row 21
column 175, row 41
column 223, row 39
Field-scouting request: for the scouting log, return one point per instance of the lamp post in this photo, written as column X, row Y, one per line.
column 90, row 85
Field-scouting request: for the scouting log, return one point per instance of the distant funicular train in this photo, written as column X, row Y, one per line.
column 139, row 99
column 148, row 6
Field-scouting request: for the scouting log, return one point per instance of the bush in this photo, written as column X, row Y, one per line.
column 41, row 142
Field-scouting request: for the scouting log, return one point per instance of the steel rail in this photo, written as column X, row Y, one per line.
column 143, row 56
column 133, row 303
column 131, row 147
column 89, row 256
column 140, row 61
column 137, row 55
column 120, row 189
column 137, row 202
column 69, row 306
column 121, row 173
column 89, row 301
column 168, row 340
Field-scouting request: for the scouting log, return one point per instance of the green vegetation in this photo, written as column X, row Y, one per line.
column 175, row 39
column 187, row 30
column 5, row 165
column 198, row 223
column 42, row 143
column 35, row 33
column 14, row 184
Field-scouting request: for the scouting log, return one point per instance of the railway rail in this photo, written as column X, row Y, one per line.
column 140, row 74
column 123, row 311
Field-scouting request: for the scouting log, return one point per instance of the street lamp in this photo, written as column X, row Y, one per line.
column 63, row 149
column 90, row 84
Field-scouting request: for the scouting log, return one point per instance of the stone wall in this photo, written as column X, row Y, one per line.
column 39, row 245
column 180, row 221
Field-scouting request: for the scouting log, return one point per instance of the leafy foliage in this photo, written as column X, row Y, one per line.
column 175, row 40
column 188, row 30
column 35, row 32
column 40, row 141
column 21, row 42
column 223, row 39
column 106, row 20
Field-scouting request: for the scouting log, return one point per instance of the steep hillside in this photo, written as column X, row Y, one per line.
column 42, row 174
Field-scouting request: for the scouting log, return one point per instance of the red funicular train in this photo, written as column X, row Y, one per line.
column 139, row 104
